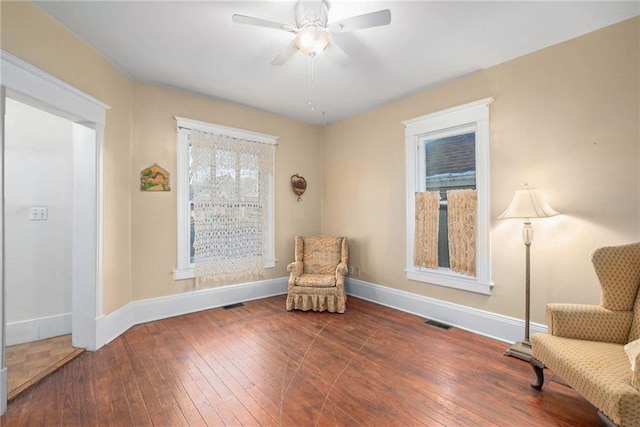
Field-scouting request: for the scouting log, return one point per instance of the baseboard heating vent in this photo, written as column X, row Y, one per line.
column 236, row 305
column 438, row 325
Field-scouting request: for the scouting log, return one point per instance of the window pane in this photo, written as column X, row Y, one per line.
column 450, row 163
column 225, row 175
column 249, row 178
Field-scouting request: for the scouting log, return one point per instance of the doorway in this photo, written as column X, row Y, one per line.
column 28, row 85
column 38, row 212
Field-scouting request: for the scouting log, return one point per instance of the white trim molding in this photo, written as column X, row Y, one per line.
column 149, row 310
column 38, row 329
column 28, row 84
column 492, row 325
column 3, row 390
column 184, row 267
column 46, row 91
column 474, row 117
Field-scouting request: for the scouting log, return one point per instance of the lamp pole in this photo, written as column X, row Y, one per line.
column 526, row 205
column 527, row 291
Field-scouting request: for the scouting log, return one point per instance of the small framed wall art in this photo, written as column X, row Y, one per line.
column 154, row 178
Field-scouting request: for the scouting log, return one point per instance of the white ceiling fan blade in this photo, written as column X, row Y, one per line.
column 336, row 54
column 285, row 55
column 250, row 20
column 359, row 22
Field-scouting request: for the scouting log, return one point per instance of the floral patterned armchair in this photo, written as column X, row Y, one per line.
column 316, row 280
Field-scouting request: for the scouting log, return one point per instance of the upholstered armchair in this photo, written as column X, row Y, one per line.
column 316, row 280
column 595, row 348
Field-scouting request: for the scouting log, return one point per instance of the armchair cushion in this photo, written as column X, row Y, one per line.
column 599, row 371
column 322, row 254
column 588, row 322
column 316, row 280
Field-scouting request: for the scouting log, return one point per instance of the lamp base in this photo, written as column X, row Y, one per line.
column 521, row 350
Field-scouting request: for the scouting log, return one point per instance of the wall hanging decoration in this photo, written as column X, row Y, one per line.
column 154, row 178
column 298, row 184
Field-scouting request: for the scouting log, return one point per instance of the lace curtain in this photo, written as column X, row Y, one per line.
column 425, row 252
column 462, row 219
column 229, row 178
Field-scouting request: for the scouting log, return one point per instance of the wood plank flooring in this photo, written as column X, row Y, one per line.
column 30, row 362
column 261, row 365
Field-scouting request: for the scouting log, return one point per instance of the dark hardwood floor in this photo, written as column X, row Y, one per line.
column 261, row 365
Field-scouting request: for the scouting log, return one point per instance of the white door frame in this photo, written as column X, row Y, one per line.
column 25, row 83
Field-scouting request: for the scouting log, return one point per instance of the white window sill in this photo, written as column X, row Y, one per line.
column 183, row 274
column 187, row 273
column 450, row 279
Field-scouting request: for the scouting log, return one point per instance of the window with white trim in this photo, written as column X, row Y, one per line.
column 447, row 162
column 233, row 194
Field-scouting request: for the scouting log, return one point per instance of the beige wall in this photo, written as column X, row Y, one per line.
column 140, row 228
column 154, row 214
column 564, row 119
column 34, row 37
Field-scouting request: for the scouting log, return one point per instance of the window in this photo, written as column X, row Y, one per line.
column 232, row 203
column 447, row 155
column 450, row 163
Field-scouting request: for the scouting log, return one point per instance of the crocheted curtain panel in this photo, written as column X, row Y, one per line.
column 229, row 180
column 425, row 251
column 462, row 219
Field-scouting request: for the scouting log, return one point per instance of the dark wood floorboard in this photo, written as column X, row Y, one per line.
column 259, row 365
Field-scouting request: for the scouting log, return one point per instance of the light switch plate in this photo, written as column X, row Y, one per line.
column 38, row 213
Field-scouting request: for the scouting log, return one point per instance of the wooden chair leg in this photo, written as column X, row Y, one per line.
column 538, row 368
column 605, row 421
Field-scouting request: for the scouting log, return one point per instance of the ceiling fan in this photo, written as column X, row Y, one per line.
column 313, row 31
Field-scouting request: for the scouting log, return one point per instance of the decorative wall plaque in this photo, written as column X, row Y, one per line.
column 154, row 178
column 298, row 184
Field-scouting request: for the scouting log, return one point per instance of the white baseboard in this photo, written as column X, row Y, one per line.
column 38, row 329
column 496, row 326
column 492, row 325
column 3, row 391
column 148, row 310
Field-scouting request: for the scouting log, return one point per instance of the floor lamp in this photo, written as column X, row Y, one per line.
column 526, row 204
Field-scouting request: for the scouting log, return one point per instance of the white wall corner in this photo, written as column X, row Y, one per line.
column 141, row 311
column 492, row 325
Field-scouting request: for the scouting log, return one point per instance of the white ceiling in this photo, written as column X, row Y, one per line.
column 194, row 46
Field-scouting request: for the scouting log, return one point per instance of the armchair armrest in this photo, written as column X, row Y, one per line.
column 635, row 375
column 588, row 322
column 633, row 353
column 296, row 268
column 342, row 269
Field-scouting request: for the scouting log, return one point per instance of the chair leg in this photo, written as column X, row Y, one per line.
column 538, row 368
column 605, row 421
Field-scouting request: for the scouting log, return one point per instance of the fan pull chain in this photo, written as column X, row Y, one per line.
column 311, row 108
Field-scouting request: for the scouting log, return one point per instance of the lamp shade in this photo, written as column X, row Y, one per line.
column 527, row 203
column 312, row 40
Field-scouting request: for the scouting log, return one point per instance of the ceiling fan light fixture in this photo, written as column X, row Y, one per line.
column 312, row 40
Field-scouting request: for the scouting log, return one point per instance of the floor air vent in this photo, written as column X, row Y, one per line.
column 438, row 325
column 236, row 305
